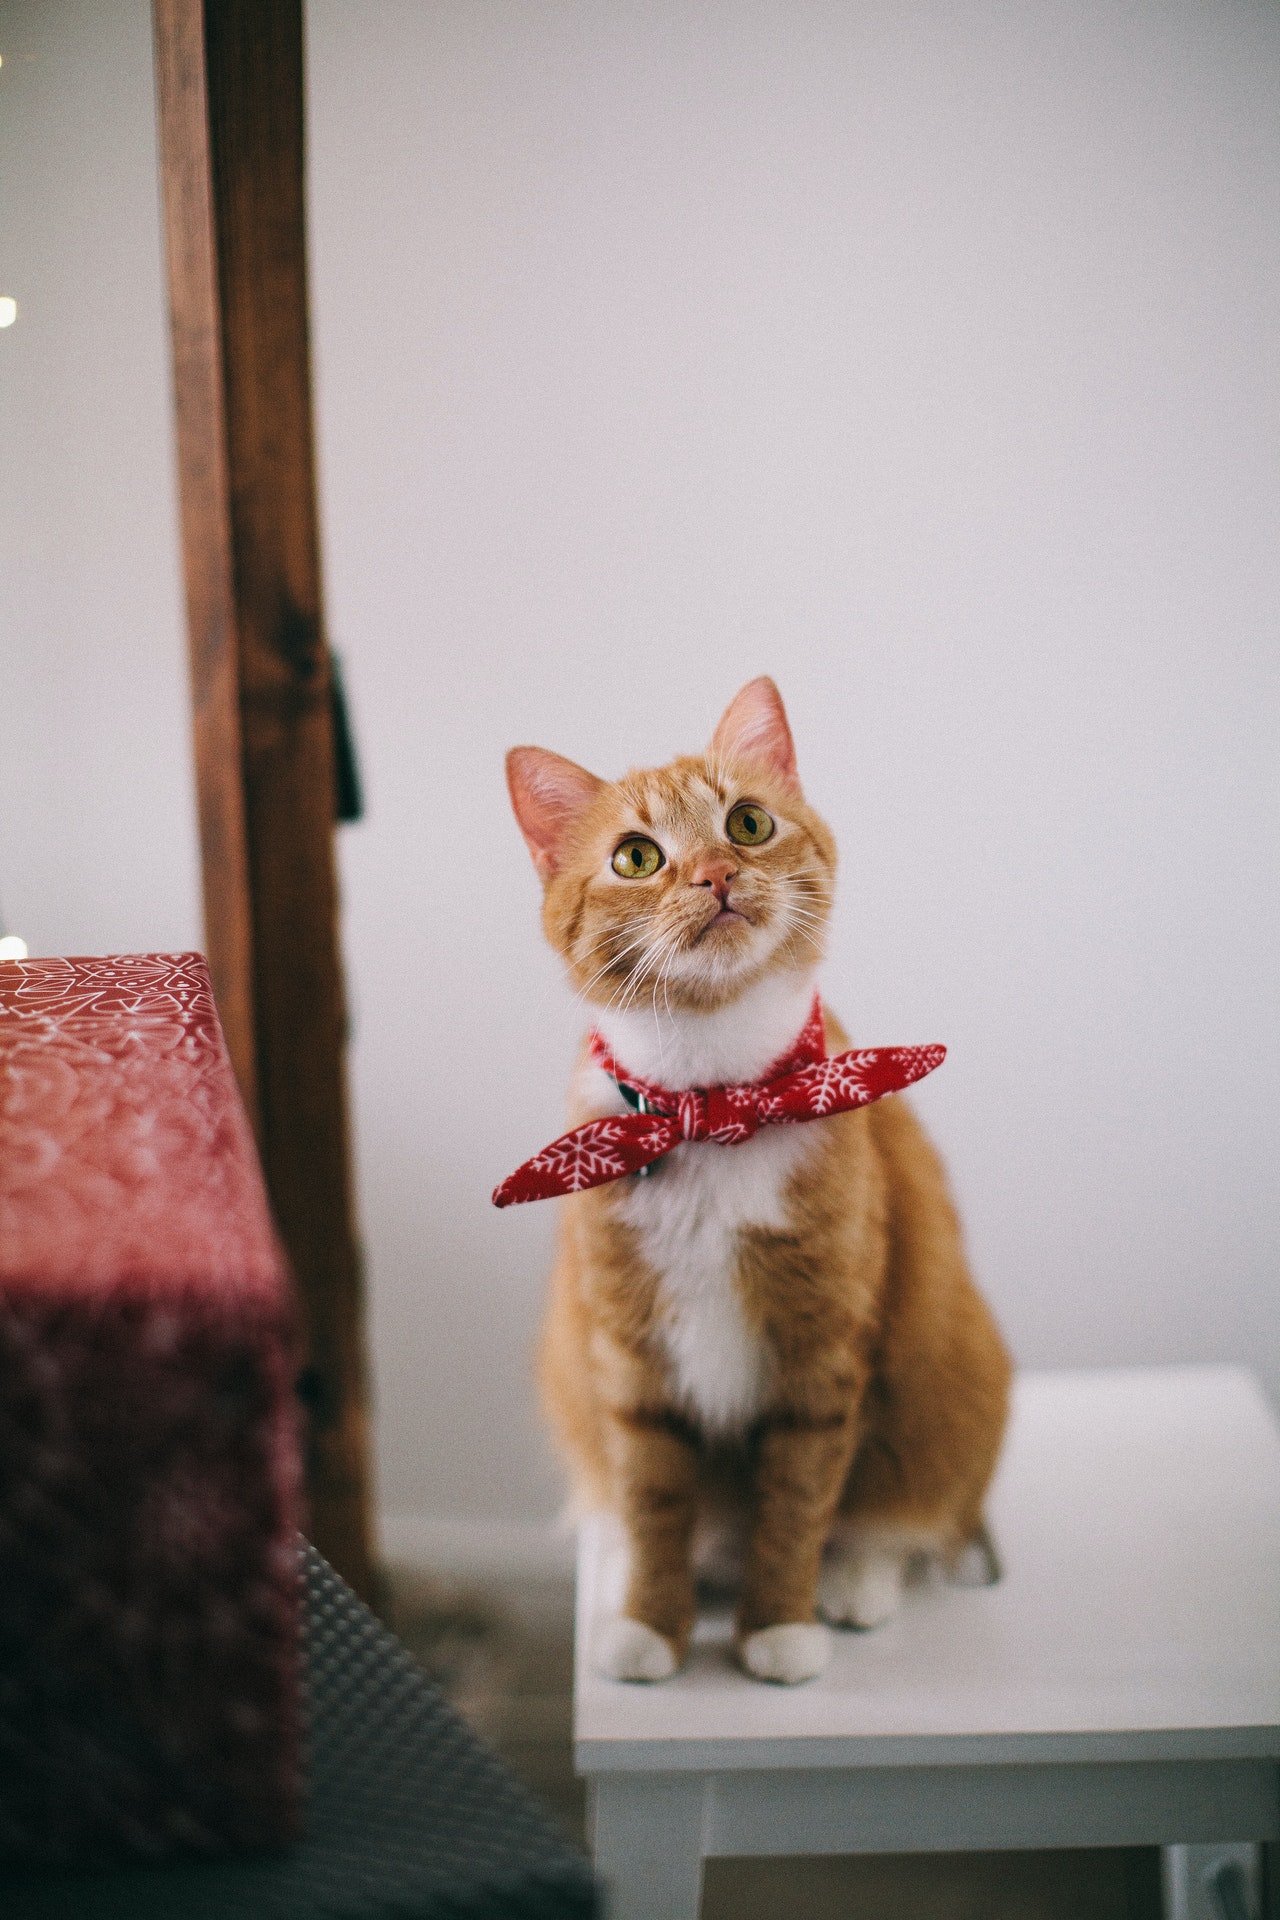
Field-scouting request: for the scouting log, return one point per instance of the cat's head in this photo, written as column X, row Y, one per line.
column 680, row 886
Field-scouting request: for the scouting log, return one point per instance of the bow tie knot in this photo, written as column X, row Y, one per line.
column 724, row 1114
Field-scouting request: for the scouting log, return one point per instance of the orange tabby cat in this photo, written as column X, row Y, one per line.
column 781, row 1335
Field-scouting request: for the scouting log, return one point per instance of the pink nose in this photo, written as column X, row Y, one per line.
column 716, row 872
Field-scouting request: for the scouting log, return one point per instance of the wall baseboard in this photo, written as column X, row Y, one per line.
column 477, row 1549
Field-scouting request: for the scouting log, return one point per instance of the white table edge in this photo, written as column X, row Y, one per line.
column 594, row 1757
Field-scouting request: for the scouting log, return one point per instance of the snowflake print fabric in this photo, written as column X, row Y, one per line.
column 805, row 1084
column 587, row 1157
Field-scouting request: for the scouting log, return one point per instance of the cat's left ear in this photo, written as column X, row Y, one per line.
column 754, row 727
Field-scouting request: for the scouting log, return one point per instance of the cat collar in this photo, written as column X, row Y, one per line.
column 804, row 1084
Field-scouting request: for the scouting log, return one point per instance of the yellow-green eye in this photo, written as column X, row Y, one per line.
column 748, row 825
column 637, row 858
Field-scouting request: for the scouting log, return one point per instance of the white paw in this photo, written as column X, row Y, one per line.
column 972, row 1567
column 860, row 1589
column 786, row 1654
column 628, row 1650
column 977, row 1564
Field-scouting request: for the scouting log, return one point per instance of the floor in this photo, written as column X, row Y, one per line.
column 503, row 1651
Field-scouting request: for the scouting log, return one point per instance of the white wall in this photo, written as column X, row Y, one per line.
column 925, row 358
column 922, row 357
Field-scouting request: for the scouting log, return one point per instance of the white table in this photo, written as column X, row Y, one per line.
column 1119, row 1686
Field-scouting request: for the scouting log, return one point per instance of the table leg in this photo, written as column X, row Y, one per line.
column 1271, row 1880
column 646, row 1833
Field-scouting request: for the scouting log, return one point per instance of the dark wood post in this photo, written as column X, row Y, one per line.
column 230, row 97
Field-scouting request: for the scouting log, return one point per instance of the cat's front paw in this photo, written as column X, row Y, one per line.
column 797, row 1651
column 628, row 1650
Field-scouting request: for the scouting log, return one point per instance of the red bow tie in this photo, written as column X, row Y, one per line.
column 803, row 1085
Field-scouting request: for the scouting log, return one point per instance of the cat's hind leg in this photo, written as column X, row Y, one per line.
column 867, row 1565
column 975, row 1563
column 861, row 1582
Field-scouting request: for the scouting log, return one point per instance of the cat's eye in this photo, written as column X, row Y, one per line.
column 748, row 825
column 637, row 858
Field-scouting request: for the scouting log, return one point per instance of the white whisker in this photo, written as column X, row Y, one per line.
column 630, row 988
column 613, row 961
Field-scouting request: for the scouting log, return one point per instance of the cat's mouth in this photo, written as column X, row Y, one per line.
column 724, row 917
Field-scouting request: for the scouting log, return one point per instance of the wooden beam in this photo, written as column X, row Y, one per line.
column 230, row 96
column 205, row 509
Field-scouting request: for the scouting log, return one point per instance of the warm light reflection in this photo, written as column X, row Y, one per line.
column 12, row 947
column 8, row 310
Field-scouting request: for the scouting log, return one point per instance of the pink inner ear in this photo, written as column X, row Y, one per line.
column 549, row 796
column 754, row 727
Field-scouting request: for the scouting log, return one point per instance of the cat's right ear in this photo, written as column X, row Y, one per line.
column 754, row 727
column 549, row 795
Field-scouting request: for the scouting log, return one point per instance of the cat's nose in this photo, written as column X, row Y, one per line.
column 717, row 872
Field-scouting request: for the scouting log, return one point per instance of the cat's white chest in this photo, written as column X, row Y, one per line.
column 690, row 1214
column 688, row 1217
